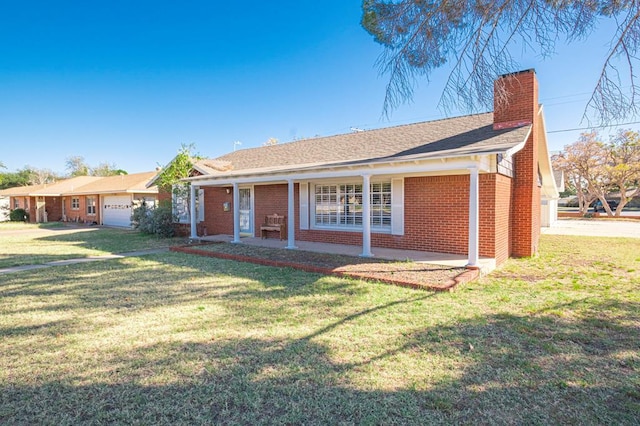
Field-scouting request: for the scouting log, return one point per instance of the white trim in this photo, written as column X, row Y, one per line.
column 366, row 216
column 236, row 213
column 192, row 212
column 304, row 204
column 474, row 206
column 272, row 177
column 291, row 220
column 397, row 206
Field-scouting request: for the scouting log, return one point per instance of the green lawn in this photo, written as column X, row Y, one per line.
column 27, row 244
column 178, row 339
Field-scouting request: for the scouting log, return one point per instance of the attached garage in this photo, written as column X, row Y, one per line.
column 116, row 210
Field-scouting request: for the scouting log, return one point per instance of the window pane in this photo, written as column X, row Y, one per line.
column 341, row 205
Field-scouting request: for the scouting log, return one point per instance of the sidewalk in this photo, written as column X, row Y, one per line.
column 81, row 260
column 595, row 228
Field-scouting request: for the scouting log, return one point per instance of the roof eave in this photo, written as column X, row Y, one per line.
column 363, row 164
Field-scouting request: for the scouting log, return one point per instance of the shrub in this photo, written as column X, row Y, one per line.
column 19, row 215
column 154, row 220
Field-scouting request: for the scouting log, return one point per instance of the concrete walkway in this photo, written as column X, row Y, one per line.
column 81, row 260
column 595, row 228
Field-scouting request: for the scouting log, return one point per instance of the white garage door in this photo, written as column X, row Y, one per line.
column 117, row 211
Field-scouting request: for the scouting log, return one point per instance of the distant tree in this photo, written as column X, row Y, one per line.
column 623, row 166
column 477, row 38
column 77, row 166
column 106, row 169
column 13, row 179
column 595, row 168
column 270, row 142
column 40, row 176
column 571, row 161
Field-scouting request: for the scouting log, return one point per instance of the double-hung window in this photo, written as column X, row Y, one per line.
column 340, row 206
column 75, row 203
column 91, row 206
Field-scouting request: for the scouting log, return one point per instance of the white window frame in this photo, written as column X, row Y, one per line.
column 180, row 204
column 16, row 203
column 91, row 206
column 75, row 203
column 341, row 215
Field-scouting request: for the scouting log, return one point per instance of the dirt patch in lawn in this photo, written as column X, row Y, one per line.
column 409, row 274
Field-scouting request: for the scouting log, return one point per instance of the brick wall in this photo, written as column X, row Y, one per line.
column 436, row 216
column 269, row 199
column 54, row 208
column 521, row 105
column 217, row 221
column 80, row 215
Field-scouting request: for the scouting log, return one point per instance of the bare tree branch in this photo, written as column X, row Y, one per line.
column 477, row 37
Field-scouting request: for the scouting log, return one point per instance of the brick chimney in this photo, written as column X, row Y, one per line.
column 515, row 105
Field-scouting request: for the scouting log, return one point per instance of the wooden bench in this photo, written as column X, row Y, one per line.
column 274, row 222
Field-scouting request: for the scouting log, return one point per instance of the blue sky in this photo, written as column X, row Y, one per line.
column 129, row 82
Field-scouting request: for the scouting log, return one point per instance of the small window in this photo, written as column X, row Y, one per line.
column 75, row 203
column 91, row 206
column 16, row 203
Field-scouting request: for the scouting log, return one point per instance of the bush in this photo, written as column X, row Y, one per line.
column 154, row 220
column 19, row 215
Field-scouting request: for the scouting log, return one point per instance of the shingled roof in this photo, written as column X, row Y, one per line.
column 79, row 185
column 50, row 189
column 133, row 183
column 467, row 135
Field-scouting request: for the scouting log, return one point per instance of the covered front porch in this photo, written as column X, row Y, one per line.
column 485, row 264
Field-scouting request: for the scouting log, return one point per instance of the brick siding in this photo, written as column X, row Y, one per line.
column 522, row 105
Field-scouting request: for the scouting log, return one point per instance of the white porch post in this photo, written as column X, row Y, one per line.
column 474, row 207
column 291, row 220
column 192, row 211
column 366, row 216
column 236, row 213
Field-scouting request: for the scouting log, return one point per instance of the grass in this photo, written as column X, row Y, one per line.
column 27, row 244
column 177, row 339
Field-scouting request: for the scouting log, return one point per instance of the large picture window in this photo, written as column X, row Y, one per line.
column 340, row 206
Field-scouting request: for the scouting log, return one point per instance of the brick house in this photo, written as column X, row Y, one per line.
column 86, row 199
column 44, row 203
column 471, row 185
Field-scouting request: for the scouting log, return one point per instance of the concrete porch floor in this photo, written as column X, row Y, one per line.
column 453, row 260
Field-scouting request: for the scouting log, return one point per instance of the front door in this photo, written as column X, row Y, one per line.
column 41, row 213
column 246, row 216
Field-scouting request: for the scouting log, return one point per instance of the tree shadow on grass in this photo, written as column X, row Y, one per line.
column 498, row 368
column 506, row 370
column 165, row 279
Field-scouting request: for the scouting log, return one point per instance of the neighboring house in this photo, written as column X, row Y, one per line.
column 110, row 200
column 471, row 185
column 44, row 203
column 549, row 205
column 87, row 199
